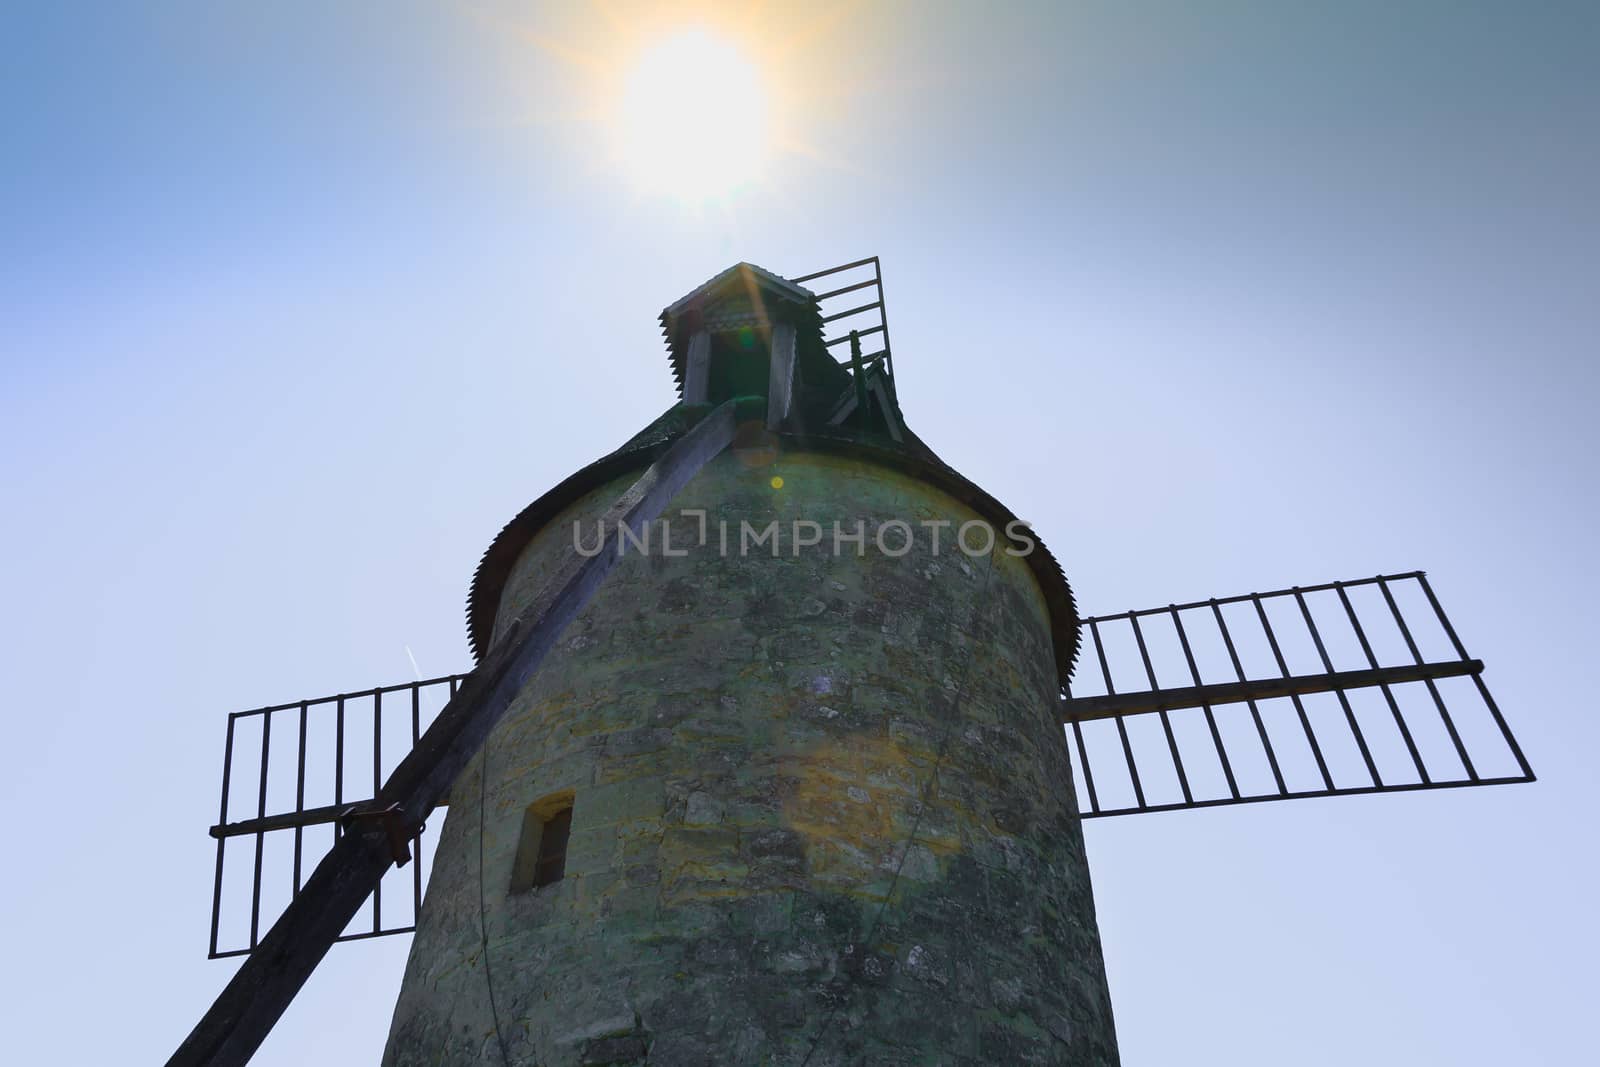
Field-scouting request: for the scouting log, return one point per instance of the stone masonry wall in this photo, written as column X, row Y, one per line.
column 753, row 876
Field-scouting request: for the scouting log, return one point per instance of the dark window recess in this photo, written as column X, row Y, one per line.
column 542, row 850
column 553, row 848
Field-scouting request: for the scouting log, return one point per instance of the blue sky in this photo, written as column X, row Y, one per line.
column 299, row 304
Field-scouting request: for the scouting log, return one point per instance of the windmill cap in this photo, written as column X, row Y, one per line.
column 745, row 298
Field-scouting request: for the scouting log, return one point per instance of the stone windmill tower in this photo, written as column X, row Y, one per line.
column 815, row 797
column 790, row 785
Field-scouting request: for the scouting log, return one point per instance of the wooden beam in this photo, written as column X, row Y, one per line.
column 845, row 406
column 888, row 409
column 252, row 1002
column 697, row 369
column 780, row 376
column 1083, row 709
column 288, row 820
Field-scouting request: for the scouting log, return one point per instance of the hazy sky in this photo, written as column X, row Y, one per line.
column 300, row 302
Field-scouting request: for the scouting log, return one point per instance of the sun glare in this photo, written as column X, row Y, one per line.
column 692, row 118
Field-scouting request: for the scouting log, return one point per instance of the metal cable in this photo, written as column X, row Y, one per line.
column 483, row 921
column 916, row 824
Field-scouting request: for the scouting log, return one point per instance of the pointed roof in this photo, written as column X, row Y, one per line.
column 746, row 295
column 740, row 275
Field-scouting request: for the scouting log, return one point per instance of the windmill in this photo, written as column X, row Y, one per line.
column 795, row 771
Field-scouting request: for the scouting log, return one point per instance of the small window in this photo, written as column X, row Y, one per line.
column 542, row 849
column 552, row 862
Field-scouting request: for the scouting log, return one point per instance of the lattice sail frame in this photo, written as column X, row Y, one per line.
column 1274, row 727
column 282, row 802
column 1344, row 708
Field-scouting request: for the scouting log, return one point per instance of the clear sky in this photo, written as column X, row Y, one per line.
column 300, row 302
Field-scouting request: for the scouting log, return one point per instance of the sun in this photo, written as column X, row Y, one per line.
column 692, row 117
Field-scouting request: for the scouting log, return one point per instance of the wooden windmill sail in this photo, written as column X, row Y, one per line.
column 1327, row 689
